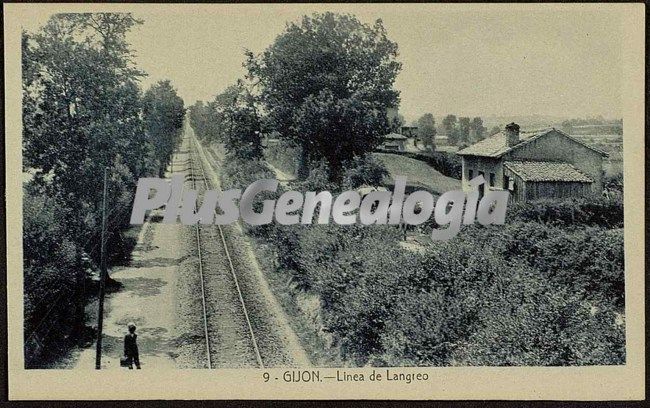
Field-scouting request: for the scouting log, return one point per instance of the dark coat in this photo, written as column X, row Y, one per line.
column 131, row 345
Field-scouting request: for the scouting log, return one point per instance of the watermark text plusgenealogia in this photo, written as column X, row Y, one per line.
column 452, row 208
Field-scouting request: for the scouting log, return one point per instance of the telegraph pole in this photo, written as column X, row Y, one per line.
column 102, row 279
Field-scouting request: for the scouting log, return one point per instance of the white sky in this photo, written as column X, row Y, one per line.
column 472, row 61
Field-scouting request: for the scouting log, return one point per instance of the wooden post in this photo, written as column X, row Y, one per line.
column 102, row 280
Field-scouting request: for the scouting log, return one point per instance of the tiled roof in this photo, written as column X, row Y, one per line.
column 395, row 136
column 547, row 171
column 497, row 145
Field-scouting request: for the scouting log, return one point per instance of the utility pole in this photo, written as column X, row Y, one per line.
column 102, row 279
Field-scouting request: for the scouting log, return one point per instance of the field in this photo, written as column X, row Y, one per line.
column 417, row 171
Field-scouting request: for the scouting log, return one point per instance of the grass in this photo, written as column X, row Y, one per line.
column 417, row 171
column 320, row 353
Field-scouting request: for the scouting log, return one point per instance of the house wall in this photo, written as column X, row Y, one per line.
column 486, row 165
column 557, row 147
column 519, row 192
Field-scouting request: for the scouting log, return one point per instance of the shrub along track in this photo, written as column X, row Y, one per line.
column 242, row 326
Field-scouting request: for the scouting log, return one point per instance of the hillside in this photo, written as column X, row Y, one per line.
column 418, row 171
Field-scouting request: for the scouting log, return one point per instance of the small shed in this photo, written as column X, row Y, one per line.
column 394, row 141
column 532, row 180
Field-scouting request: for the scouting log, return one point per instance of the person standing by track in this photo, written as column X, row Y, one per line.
column 131, row 347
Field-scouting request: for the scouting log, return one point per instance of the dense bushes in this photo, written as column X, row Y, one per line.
column 366, row 170
column 241, row 173
column 613, row 185
column 545, row 324
column 589, row 260
column 50, row 255
column 521, row 294
column 602, row 212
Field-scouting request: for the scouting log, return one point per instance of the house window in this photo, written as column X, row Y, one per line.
column 506, row 182
column 492, row 179
column 470, row 174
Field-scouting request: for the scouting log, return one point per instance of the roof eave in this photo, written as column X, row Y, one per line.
column 602, row 153
column 480, row 155
column 556, row 181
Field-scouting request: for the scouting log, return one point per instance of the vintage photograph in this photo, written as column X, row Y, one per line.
column 324, row 101
column 444, row 188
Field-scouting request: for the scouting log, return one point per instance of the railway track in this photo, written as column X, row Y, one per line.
column 223, row 336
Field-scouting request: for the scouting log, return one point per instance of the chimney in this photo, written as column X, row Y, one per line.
column 512, row 134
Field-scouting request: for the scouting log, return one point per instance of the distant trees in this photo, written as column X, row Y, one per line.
column 232, row 119
column 163, row 113
column 326, row 83
column 205, row 121
column 198, row 117
column 463, row 130
column 477, row 126
column 83, row 112
column 450, row 126
column 495, row 130
column 398, row 122
column 427, row 131
column 241, row 128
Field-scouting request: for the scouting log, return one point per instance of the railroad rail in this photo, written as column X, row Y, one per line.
column 196, row 162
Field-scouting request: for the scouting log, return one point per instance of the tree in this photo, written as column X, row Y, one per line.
column 198, row 118
column 449, row 124
column 463, row 129
column 163, row 112
column 326, row 84
column 427, row 130
column 206, row 120
column 364, row 171
column 477, row 126
column 81, row 109
column 82, row 114
column 495, row 130
column 239, row 123
column 397, row 123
